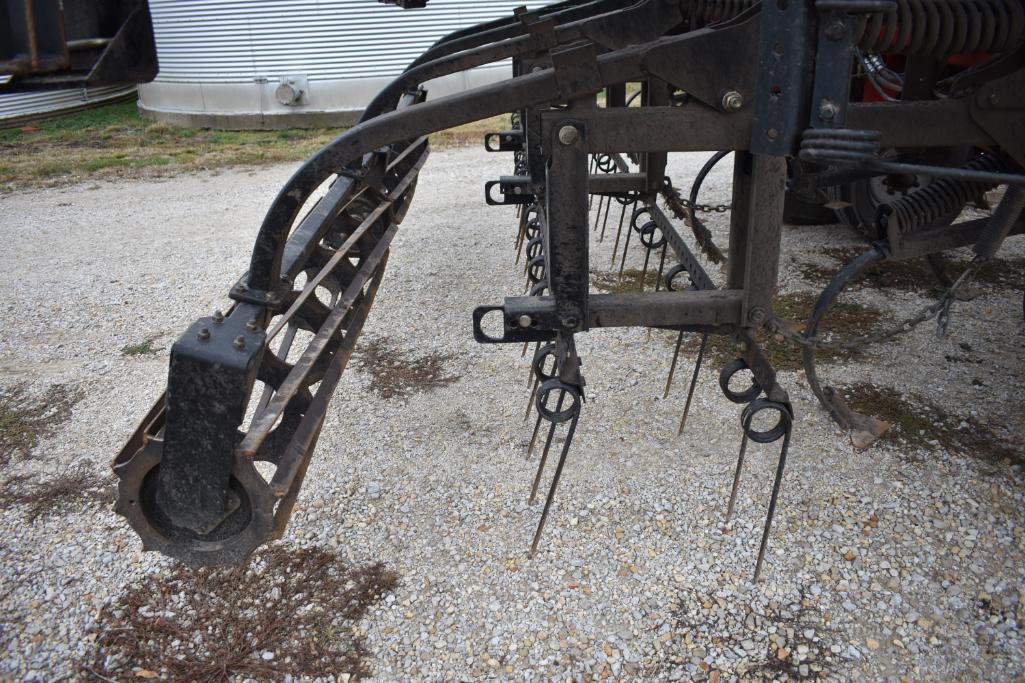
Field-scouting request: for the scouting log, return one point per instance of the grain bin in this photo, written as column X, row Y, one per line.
column 271, row 64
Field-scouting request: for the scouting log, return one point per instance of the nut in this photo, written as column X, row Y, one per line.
column 827, row 111
column 568, row 135
column 203, row 334
column 836, row 31
column 239, row 343
column 732, row 101
column 218, row 316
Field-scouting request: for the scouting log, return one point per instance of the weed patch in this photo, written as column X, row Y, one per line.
column 913, row 275
column 75, row 486
column 141, row 349
column 396, row 373
column 629, row 281
column 845, row 319
column 25, row 419
column 917, row 422
column 290, row 611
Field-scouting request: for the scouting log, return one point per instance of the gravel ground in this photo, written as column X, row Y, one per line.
column 900, row 562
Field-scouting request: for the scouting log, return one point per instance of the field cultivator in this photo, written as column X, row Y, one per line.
column 894, row 112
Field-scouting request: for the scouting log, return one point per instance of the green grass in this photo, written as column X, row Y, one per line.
column 114, row 142
column 141, row 349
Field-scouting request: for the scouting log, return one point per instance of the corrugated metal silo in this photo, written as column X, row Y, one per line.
column 222, row 61
column 19, row 108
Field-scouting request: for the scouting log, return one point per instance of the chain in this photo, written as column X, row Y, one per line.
column 693, row 206
column 940, row 309
column 686, row 211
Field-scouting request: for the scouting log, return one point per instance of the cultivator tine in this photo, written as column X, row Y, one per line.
column 693, row 383
column 661, row 266
column 731, row 505
column 561, row 415
column 672, row 366
column 544, row 453
column 771, row 513
column 533, row 436
column 597, row 216
column 530, row 399
column 520, row 234
column 644, row 270
column 626, row 248
column 605, row 221
column 619, row 231
column 554, row 485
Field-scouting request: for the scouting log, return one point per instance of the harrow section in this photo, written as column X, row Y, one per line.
column 601, row 92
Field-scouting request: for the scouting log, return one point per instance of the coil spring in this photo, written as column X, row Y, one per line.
column 940, row 28
column 935, row 28
column 927, row 205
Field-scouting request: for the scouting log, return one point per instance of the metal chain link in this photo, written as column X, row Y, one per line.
column 687, row 204
column 941, row 309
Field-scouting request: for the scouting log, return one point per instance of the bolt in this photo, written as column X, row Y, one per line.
column 203, row 334
column 568, row 135
column 732, row 101
column 827, row 111
column 569, row 321
column 218, row 316
column 756, row 315
column 240, row 342
column 993, row 99
column 772, row 133
column 525, row 320
column 836, row 31
column 243, row 287
column 252, row 326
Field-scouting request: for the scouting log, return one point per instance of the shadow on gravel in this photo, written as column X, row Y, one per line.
column 772, row 641
column 290, row 611
column 25, row 419
column 396, row 373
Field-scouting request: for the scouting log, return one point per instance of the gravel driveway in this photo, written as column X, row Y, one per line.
column 904, row 561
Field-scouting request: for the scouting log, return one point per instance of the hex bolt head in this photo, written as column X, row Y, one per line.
column 827, row 111
column 836, row 31
column 732, row 101
column 218, row 316
column 252, row 326
column 203, row 334
column 525, row 320
column 568, row 135
column 239, row 343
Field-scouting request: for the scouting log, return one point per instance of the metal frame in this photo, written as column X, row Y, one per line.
column 768, row 82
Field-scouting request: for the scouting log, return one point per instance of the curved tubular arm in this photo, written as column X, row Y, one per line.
column 833, row 403
column 643, row 21
column 422, row 119
column 503, row 29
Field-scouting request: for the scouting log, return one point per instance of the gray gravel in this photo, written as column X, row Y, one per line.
column 896, row 562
